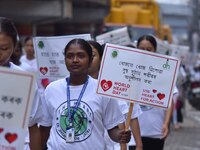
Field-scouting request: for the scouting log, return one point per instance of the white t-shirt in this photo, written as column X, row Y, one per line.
column 26, row 67
column 124, row 107
column 94, row 114
column 15, row 67
column 32, row 63
column 151, row 120
column 36, row 112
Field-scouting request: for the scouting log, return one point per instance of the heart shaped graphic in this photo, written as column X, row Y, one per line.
column 45, row 82
column 154, row 91
column 43, row 70
column 1, row 130
column 106, row 85
column 160, row 96
column 11, row 137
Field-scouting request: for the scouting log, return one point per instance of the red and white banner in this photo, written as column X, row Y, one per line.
column 137, row 76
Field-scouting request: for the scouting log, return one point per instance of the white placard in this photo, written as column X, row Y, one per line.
column 163, row 47
column 16, row 97
column 49, row 54
column 12, row 138
column 118, row 36
column 137, row 76
column 180, row 52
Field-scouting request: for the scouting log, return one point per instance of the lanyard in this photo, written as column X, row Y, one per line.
column 70, row 116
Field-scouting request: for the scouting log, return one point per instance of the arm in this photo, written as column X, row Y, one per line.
column 35, row 138
column 122, row 145
column 44, row 131
column 135, row 128
column 119, row 135
column 165, row 128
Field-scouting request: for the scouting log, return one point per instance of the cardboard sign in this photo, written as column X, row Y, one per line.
column 118, row 36
column 137, row 76
column 16, row 97
column 163, row 47
column 49, row 54
column 180, row 52
column 12, row 138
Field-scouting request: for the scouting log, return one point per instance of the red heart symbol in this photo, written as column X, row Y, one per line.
column 106, row 85
column 11, row 137
column 160, row 96
column 154, row 91
column 43, row 70
column 1, row 130
column 45, row 82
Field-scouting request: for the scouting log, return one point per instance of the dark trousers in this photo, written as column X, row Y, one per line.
column 131, row 147
column 152, row 143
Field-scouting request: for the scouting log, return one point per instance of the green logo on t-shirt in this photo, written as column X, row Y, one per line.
column 82, row 120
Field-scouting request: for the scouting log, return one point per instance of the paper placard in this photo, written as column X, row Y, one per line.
column 137, row 76
column 180, row 52
column 12, row 138
column 16, row 97
column 49, row 54
column 163, row 47
column 118, row 36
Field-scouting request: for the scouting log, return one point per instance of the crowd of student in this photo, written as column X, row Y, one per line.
column 68, row 114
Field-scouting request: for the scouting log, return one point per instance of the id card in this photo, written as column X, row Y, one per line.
column 70, row 135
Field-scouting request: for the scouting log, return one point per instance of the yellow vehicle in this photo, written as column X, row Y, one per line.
column 141, row 16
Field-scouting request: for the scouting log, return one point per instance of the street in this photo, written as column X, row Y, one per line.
column 188, row 136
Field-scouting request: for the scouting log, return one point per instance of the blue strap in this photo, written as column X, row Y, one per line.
column 70, row 116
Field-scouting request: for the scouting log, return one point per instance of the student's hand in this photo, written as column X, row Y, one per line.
column 124, row 136
column 165, row 131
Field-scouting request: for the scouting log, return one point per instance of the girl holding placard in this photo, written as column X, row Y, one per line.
column 8, row 41
column 154, row 122
column 75, row 116
column 97, row 51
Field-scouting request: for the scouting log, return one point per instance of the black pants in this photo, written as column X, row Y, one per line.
column 152, row 143
column 131, row 147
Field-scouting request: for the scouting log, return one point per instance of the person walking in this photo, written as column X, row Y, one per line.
column 75, row 116
column 154, row 122
column 8, row 42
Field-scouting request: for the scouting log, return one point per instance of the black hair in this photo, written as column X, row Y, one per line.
column 83, row 44
column 7, row 27
column 149, row 38
column 19, row 46
column 103, row 47
column 27, row 39
column 130, row 45
column 97, row 46
column 14, row 58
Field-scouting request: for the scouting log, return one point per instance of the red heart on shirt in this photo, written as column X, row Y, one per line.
column 154, row 91
column 11, row 137
column 160, row 96
column 1, row 130
column 43, row 70
column 106, row 85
